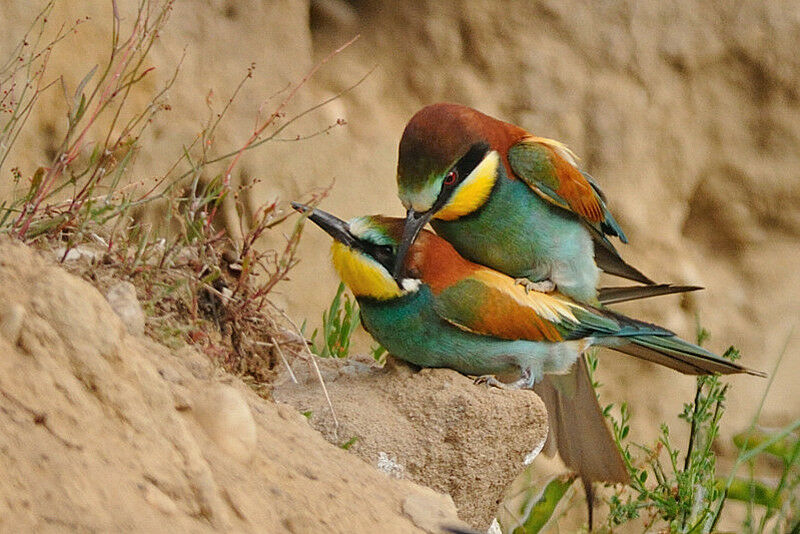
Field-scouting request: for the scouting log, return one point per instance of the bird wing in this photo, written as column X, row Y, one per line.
column 551, row 170
column 490, row 303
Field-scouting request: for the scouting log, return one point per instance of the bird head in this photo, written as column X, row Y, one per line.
column 448, row 163
column 363, row 252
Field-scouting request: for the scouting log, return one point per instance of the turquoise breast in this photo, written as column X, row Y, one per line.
column 409, row 328
column 515, row 232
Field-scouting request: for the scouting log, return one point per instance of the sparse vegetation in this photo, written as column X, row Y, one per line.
column 339, row 322
column 676, row 491
column 198, row 284
column 681, row 492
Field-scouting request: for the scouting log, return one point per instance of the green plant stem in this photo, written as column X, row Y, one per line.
column 753, row 421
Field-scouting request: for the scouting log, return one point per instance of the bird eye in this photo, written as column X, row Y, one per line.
column 384, row 250
column 385, row 255
column 451, row 177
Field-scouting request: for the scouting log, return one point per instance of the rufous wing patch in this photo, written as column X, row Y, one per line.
column 485, row 301
column 490, row 303
column 573, row 187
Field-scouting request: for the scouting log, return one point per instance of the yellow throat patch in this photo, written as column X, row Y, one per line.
column 473, row 191
column 364, row 276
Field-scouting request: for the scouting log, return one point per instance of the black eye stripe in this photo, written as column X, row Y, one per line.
column 471, row 159
column 463, row 167
column 383, row 254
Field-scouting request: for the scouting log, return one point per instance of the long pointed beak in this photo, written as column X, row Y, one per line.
column 414, row 223
column 333, row 226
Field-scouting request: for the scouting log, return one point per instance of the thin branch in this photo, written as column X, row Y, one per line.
column 226, row 177
column 313, row 359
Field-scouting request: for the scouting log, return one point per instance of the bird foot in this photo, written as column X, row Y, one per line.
column 490, row 381
column 544, row 286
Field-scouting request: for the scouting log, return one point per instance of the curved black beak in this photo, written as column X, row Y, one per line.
column 414, row 223
column 333, row 226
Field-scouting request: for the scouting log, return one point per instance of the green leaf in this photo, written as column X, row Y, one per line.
column 82, row 85
column 771, row 439
column 732, row 354
column 79, row 111
column 538, row 510
column 339, row 322
column 118, row 172
column 349, row 443
column 36, row 182
column 749, row 490
column 5, row 213
column 781, row 448
column 97, row 149
column 377, row 353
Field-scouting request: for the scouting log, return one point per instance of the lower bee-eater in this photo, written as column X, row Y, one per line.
column 446, row 311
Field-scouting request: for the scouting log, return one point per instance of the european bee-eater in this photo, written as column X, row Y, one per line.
column 446, row 311
column 507, row 199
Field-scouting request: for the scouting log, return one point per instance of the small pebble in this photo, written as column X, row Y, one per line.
column 226, row 418
column 122, row 298
column 11, row 317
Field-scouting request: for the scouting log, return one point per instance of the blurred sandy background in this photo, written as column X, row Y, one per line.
column 688, row 115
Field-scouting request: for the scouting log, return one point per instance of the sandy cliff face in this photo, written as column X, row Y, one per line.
column 686, row 113
column 103, row 431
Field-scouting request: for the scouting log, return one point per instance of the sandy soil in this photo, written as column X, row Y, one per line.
column 104, row 431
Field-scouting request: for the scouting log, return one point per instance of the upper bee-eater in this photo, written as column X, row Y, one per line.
column 446, row 311
column 507, row 199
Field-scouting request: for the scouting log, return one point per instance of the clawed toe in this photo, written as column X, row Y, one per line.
column 544, row 286
column 490, row 381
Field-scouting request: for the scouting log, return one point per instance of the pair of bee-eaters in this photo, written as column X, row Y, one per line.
column 507, row 287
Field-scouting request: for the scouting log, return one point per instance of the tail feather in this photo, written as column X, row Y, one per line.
column 656, row 344
column 608, row 259
column 578, row 429
column 615, row 295
column 675, row 353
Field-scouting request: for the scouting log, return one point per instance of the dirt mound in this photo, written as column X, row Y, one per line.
column 434, row 427
column 101, row 430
